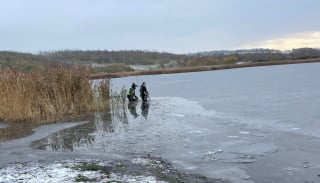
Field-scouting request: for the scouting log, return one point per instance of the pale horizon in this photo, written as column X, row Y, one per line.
column 173, row 26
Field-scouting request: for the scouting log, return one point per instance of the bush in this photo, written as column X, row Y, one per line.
column 112, row 68
column 232, row 59
column 205, row 61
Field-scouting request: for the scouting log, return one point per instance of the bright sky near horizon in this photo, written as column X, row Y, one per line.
column 178, row 26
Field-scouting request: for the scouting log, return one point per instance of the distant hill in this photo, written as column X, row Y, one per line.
column 242, row 51
column 25, row 61
column 28, row 61
column 103, row 58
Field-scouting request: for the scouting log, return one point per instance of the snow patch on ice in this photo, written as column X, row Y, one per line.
column 181, row 107
column 65, row 171
column 176, row 115
column 141, row 161
column 244, row 132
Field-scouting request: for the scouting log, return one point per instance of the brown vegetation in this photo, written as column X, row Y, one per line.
column 112, row 68
column 200, row 68
column 45, row 96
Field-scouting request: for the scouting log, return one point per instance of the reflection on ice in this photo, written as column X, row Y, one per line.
column 145, row 108
column 86, row 134
column 115, row 129
column 15, row 131
column 132, row 107
column 68, row 139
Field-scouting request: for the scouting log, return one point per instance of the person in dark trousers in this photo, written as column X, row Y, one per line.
column 132, row 93
column 144, row 92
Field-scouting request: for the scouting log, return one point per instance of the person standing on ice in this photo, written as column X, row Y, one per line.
column 144, row 92
column 132, row 93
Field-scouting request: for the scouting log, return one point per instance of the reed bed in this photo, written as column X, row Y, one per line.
column 49, row 95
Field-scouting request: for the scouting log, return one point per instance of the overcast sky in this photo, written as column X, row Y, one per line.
column 178, row 26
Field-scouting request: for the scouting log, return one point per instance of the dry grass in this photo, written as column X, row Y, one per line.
column 101, row 94
column 200, row 68
column 46, row 96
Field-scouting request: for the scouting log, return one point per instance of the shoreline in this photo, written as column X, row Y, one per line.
column 201, row 68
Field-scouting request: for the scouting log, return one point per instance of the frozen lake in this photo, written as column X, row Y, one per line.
column 260, row 123
column 245, row 125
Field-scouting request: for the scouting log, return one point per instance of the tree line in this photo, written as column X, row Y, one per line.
column 252, row 55
column 108, row 57
column 28, row 61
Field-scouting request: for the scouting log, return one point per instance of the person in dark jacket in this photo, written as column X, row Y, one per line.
column 132, row 93
column 144, row 92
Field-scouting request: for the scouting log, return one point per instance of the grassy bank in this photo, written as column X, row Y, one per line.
column 200, row 68
column 47, row 96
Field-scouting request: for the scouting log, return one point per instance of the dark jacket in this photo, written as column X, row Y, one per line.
column 143, row 92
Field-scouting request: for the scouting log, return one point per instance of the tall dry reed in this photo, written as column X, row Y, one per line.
column 45, row 96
